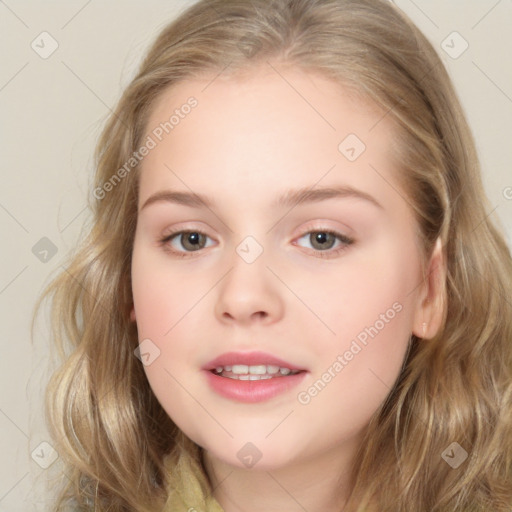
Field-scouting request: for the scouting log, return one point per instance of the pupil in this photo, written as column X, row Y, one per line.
column 192, row 241
column 322, row 240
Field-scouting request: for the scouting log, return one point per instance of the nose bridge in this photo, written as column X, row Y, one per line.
column 249, row 290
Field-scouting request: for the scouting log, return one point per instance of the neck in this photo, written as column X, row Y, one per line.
column 322, row 483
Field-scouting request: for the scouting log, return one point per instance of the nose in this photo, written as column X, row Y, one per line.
column 250, row 293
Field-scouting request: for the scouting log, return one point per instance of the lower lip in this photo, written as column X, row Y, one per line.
column 252, row 391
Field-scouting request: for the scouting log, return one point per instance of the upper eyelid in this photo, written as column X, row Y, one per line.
column 310, row 226
column 305, row 231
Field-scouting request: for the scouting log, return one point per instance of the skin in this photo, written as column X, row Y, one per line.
column 250, row 139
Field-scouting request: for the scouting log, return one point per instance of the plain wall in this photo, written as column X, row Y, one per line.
column 52, row 110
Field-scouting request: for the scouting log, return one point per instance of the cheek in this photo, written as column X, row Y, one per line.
column 164, row 304
column 168, row 306
column 353, row 382
column 364, row 289
column 162, row 297
column 369, row 305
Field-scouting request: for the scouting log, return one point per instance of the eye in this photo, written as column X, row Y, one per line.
column 324, row 241
column 190, row 241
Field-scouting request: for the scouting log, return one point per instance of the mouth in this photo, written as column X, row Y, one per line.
column 252, row 377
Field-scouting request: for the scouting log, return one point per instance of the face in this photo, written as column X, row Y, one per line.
column 275, row 265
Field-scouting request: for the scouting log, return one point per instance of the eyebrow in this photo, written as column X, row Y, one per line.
column 290, row 199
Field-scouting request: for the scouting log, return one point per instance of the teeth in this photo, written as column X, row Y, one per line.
column 260, row 369
column 249, row 377
column 254, row 372
column 239, row 369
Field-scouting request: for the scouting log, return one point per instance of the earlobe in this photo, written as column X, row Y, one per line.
column 430, row 309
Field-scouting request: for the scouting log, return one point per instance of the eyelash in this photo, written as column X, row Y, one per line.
column 329, row 253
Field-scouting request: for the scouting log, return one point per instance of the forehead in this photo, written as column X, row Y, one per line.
column 281, row 126
column 268, row 93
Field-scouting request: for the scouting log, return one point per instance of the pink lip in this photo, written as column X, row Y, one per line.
column 248, row 358
column 251, row 391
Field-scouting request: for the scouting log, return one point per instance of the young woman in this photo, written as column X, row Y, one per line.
column 292, row 296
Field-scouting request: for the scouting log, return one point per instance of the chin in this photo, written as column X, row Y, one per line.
column 252, row 456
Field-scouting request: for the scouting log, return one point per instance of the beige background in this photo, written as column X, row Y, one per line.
column 51, row 113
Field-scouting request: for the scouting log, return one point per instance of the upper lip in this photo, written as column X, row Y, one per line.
column 249, row 359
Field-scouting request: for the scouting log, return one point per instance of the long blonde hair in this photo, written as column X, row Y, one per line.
column 107, row 425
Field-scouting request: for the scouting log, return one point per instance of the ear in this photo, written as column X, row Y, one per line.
column 431, row 298
column 132, row 314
